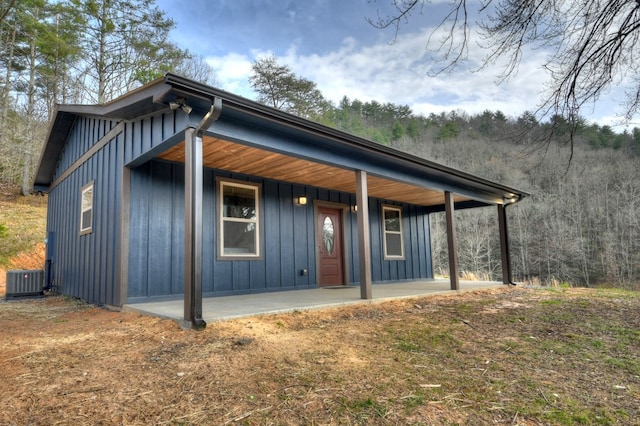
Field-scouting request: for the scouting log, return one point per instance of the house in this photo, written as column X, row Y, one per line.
column 178, row 189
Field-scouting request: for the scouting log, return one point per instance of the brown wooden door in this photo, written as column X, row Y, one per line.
column 329, row 234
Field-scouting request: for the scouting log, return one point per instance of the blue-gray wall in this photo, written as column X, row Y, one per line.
column 88, row 266
column 156, row 239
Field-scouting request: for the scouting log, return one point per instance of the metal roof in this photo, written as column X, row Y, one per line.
column 155, row 97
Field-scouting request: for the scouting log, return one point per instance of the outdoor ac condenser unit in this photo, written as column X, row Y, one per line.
column 25, row 284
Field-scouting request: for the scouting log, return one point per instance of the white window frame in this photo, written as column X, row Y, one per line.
column 386, row 232
column 222, row 183
column 86, row 205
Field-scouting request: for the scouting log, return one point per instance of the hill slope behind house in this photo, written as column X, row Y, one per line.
column 580, row 226
column 22, row 232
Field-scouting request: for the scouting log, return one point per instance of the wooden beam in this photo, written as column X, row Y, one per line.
column 504, row 244
column 364, row 242
column 451, row 241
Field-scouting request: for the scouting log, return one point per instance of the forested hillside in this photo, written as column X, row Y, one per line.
column 76, row 52
column 581, row 224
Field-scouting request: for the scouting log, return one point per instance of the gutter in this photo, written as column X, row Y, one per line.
column 246, row 106
column 193, row 217
column 214, row 113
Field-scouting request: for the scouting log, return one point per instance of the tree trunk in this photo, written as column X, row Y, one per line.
column 28, row 142
column 7, row 79
column 25, row 187
column 101, row 65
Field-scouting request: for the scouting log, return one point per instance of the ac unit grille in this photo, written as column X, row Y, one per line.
column 25, row 284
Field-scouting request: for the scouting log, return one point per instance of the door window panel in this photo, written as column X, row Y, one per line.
column 328, row 236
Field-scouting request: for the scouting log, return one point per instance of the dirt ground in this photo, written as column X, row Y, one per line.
column 508, row 356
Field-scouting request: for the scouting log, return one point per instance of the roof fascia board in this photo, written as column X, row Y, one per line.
column 56, row 138
column 246, row 106
column 152, row 93
column 66, row 115
column 381, row 161
column 385, row 154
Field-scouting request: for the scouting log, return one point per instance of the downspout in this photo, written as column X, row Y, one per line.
column 193, row 217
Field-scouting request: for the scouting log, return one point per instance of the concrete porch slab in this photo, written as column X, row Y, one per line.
column 229, row 307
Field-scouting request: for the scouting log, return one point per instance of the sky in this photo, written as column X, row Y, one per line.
column 331, row 43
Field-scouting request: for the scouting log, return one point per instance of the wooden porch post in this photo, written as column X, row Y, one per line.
column 364, row 243
column 504, row 244
column 193, row 230
column 451, row 240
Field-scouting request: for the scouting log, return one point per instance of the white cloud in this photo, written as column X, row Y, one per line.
column 233, row 71
column 330, row 43
column 400, row 73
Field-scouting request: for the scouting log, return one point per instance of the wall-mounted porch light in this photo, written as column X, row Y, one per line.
column 301, row 200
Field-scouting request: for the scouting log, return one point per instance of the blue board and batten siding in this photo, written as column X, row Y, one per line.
column 150, row 232
column 156, row 239
column 88, row 266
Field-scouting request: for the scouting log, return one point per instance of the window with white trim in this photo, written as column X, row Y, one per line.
column 392, row 226
column 239, row 224
column 86, row 209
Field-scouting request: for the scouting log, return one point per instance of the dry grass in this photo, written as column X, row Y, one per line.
column 509, row 356
column 22, row 225
column 513, row 356
column 22, row 232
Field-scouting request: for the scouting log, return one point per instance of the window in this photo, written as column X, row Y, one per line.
column 392, row 223
column 239, row 225
column 86, row 209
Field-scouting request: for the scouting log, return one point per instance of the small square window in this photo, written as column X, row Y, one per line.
column 392, row 226
column 86, row 209
column 239, row 222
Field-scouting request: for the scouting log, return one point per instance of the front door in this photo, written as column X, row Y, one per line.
column 329, row 237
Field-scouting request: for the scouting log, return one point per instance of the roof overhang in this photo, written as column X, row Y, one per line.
column 323, row 157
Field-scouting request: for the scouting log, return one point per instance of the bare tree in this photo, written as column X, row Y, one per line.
column 592, row 45
column 197, row 68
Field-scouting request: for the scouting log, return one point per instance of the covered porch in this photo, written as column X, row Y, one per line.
column 285, row 162
column 230, row 307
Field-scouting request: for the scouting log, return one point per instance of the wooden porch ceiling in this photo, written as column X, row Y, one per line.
column 238, row 158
